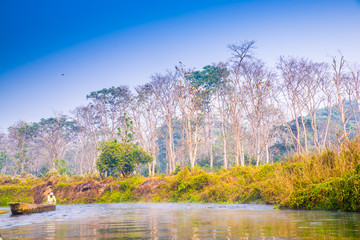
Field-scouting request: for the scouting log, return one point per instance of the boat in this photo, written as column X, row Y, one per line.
column 18, row 208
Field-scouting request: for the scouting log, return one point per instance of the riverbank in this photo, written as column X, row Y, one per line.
column 329, row 181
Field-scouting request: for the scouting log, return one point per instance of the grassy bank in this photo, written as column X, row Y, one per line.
column 329, row 181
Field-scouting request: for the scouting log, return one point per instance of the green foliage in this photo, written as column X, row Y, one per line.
column 119, row 159
column 59, row 125
column 121, row 191
column 44, row 170
column 15, row 194
column 3, row 159
column 126, row 132
column 60, row 166
column 210, row 79
column 22, row 133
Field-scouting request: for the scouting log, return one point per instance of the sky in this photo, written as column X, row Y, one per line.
column 54, row 53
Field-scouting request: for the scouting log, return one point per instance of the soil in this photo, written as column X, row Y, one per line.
column 87, row 192
column 42, row 191
column 90, row 191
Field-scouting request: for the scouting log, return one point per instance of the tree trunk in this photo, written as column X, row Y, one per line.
column 211, row 144
column 225, row 162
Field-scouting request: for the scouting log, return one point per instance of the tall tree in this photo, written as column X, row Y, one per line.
column 21, row 134
column 222, row 107
column 110, row 104
column 3, row 152
column 164, row 86
column 292, row 89
column 210, row 79
column 55, row 135
column 149, row 120
column 353, row 89
column 241, row 53
column 314, row 74
column 258, row 82
column 191, row 101
column 88, row 137
column 340, row 79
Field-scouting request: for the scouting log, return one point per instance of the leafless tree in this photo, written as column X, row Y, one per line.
column 312, row 77
column 340, row 79
column 221, row 106
column 292, row 89
column 191, row 104
column 353, row 90
column 164, row 86
column 54, row 137
column 148, row 121
column 257, row 85
column 88, row 136
column 241, row 53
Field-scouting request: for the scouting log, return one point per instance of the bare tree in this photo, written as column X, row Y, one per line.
column 149, row 121
column 312, row 77
column 258, row 82
column 353, row 90
column 164, row 86
column 222, row 107
column 21, row 136
column 54, row 136
column 241, row 53
column 339, row 81
column 292, row 89
column 191, row 101
column 88, row 135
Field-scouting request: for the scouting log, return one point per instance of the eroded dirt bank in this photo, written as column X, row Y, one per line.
column 92, row 191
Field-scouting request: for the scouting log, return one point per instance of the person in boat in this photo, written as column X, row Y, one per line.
column 51, row 198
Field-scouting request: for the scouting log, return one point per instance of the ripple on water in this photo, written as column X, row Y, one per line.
column 179, row 220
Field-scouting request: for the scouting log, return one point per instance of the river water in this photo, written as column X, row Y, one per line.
column 179, row 221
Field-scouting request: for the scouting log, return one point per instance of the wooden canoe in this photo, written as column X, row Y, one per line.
column 25, row 208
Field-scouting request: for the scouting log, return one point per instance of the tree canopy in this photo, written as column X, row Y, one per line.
column 119, row 159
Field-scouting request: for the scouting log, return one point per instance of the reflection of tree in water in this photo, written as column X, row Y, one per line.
column 184, row 221
column 50, row 229
column 153, row 227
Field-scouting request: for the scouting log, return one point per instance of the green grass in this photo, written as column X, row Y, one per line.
column 328, row 181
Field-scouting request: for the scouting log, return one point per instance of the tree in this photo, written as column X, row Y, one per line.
column 241, row 53
column 210, row 80
column 88, row 137
column 110, row 104
column 191, row 102
column 147, row 122
column 3, row 159
column 120, row 159
column 60, row 166
column 353, row 90
column 292, row 89
column 54, row 137
column 339, row 82
column 164, row 86
column 221, row 89
column 21, row 134
column 257, row 87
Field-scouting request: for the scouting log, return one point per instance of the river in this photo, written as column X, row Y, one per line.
column 179, row 221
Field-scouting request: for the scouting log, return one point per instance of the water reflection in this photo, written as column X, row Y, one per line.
column 180, row 221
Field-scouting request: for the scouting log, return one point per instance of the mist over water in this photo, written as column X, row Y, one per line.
column 179, row 221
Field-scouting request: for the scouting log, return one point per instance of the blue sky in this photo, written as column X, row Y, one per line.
column 98, row 44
